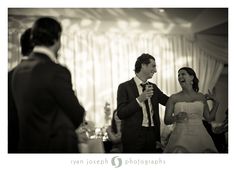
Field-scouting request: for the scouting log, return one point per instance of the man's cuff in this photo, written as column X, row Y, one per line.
column 140, row 104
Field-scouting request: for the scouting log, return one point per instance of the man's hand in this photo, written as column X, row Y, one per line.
column 147, row 93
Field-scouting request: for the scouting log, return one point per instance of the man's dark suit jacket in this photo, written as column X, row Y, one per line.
column 13, row 125
column 131, row 113
column 47, row 107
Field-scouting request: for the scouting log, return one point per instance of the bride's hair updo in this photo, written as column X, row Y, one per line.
column 191, row 72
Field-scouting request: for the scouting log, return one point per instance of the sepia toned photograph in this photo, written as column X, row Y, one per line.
column 118, row 80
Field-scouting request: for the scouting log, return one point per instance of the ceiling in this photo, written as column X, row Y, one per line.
column 165, row 20
column 206, row 26
column 110, row 14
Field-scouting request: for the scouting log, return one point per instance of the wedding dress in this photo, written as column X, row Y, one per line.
column 190, row 136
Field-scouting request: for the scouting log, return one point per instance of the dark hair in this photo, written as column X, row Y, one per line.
column 26, row 43
column 143, row 59
column 45, row 31
column 191, row 72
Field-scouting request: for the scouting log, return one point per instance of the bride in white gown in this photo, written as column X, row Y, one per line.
column 186, row 110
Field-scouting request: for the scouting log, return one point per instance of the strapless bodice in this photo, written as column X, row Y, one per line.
column 193, row 109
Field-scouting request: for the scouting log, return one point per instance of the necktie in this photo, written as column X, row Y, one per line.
column 147, row 107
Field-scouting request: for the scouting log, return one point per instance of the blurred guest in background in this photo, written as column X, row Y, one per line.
column 48, row 110
column 90, row 138
column 85, row 131
column 107, row 111
column 13, row 124
column 138, row 108
column 219, row 133
column 114, row 133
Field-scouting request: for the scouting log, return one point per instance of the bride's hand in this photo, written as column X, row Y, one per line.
column 210, row 96
column 181, row 117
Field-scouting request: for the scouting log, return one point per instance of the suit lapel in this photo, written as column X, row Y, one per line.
column 154, row 101
column 153, row 97
column 133, row 87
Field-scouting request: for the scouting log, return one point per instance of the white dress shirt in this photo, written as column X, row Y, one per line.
column 138, row 83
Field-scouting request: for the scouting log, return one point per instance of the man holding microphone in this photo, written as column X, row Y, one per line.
column 138, row 108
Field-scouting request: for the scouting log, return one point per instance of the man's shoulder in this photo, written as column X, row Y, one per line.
column 127, row 82
column 61, row 68
column 153, row 84
column 43, row 62
column 10, row 72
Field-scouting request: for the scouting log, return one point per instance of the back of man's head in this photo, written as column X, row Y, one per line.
column 46, row 31
column 25, row 43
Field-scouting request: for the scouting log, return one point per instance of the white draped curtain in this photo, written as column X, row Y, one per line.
column 99, row 62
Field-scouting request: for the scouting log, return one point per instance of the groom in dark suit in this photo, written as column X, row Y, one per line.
column 138, row 108
column 48, row 110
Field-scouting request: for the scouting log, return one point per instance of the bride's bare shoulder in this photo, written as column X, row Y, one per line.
column 176, row 97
